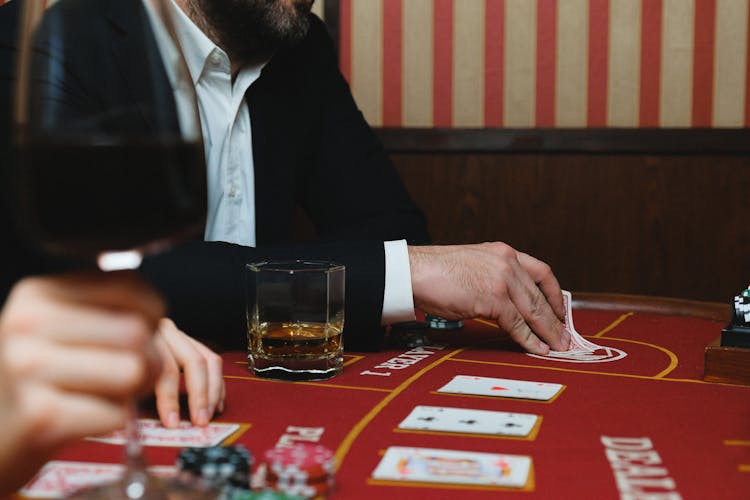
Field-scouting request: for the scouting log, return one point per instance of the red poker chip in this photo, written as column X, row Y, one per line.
column 310, row 461
column 309, row 490
column 297, row 477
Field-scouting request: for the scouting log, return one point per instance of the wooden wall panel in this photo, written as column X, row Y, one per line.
column 654, row 225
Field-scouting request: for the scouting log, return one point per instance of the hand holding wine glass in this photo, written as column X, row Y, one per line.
column 106, row 173
column 69, row 361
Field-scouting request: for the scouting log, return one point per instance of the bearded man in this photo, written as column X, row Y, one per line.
column 282, row 133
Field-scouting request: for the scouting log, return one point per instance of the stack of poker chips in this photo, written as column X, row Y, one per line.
column 410, row 334
column 217, row 467
column 258, row 495
column 737, row 332
column 302, row 469
column 438, row 323
column 741, row 308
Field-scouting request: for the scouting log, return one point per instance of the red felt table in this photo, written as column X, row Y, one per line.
column 699, row 433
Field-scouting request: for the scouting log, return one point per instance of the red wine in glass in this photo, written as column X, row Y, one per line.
column 108, row 155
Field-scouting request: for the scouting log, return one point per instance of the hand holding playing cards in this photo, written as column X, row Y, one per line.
column 495, row 282
column 73, row 350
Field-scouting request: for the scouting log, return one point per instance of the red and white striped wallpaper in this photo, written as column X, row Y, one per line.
column 548, row 63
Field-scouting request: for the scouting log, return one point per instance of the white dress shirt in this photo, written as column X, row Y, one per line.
column 227, row 139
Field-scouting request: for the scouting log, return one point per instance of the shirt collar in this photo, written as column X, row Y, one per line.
column 196, row 46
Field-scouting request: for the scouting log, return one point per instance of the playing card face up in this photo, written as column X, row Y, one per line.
column 499, row 387
column 153, row 433
column 456, row 467
column 497, row 423
column 58, row 479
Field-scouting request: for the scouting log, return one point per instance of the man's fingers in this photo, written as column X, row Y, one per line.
column 534, row 305
column 538, row 315
column 195, row 369
column 167, row 389
column 214, row 370
column 511, row 320
column 202, row 369
column 542, row 275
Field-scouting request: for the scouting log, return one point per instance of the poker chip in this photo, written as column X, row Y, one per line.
column 438, row 323
column 301, row 459
column 217, row 466
column 741, row 310
column 410, row 334
column 302, row 469
column 306, row 490
column 239, row 494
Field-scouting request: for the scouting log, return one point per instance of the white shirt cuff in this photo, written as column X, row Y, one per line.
column 398, row 302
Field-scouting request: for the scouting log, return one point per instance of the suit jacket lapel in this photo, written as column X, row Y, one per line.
column 134, row 48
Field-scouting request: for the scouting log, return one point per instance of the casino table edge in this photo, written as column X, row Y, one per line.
column 666, row 306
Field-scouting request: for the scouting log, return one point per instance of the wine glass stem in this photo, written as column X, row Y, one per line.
column 136, row 480
column 133, row 450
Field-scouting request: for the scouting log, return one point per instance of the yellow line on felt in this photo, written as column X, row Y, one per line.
column 626, row 375
column 673, row 359
column 317, row 384
column 236, row 434
column 606, row 329
column 744, row 468
column 613, row 325
column 346, row 444
column 736, row 442
column 355, row 358
column 488, row 323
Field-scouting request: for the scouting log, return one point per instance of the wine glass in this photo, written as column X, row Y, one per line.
column 108, row 148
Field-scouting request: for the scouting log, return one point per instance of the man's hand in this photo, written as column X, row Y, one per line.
column 203, row 377
column 492, row 281
column 73, row 350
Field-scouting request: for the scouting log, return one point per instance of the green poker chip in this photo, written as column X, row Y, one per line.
column 259, row 495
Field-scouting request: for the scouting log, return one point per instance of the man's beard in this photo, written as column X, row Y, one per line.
column 251, row 30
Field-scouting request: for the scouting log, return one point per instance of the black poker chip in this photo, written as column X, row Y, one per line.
column 410, row 334
column 217, row 466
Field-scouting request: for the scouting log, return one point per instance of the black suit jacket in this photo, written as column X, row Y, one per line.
column 312, row 148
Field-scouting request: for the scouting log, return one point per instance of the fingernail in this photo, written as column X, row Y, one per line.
column 220, row 406
column 544, row 347
column 173, row 419
column 203, row 416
